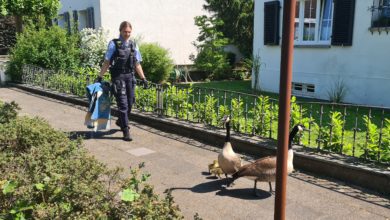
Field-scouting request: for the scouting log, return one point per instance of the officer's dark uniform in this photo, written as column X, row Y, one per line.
column 122, row 70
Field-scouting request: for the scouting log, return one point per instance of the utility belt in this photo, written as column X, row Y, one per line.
column 121, row 72
column 119, row 82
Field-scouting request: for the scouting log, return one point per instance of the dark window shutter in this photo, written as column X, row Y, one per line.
column 271, row 22
column 75, row 16
column 67, row 21
column 343, row 19
column 91, row 18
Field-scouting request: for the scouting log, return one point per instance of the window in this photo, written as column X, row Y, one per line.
column 313, row 21
column 303, row 89
column 380, row 13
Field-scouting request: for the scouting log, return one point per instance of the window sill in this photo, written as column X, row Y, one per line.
column 312, row 46
column 379, row 29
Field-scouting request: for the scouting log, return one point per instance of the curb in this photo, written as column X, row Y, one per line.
column 344, row 168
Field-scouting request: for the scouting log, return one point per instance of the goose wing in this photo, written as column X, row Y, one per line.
column 262, row 166
column 236, row 162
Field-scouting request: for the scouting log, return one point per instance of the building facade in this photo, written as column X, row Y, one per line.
column 338, row 45
column 169, row 23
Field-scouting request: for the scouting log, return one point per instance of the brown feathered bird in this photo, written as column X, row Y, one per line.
column 264, row 169
column 228, row 160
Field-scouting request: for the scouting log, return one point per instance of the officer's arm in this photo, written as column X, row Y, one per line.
column 105, row 66
column 139, row 70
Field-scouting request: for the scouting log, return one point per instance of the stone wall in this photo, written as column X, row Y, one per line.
column 7, row 34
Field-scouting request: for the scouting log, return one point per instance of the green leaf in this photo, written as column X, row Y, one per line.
column 9, row 187
column 66, row 207
column 40, row 186
column 129, row 195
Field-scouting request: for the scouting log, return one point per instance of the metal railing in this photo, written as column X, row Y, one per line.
column 380, row 14
column 354, row 130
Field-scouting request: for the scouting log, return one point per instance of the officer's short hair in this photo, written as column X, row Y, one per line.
column 125, row 24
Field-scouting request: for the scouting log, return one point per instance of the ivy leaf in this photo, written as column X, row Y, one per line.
column 40, row 186
column 9, row 187
column 128, row 195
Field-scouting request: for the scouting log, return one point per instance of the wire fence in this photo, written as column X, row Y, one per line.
column 354, row 130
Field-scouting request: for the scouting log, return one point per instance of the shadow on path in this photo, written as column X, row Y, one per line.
column 218, row 187
column 94, row 135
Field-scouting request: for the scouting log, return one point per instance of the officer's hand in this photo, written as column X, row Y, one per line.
column 145, row 83
column 98, row 79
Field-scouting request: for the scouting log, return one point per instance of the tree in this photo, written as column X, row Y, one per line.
column 29, row 10
column 210, row 43
column 237, row 25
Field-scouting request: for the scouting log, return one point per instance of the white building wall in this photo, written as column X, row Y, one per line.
column 364, row 67
column 167, row 22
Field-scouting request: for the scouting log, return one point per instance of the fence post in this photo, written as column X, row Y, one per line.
column 160, row 106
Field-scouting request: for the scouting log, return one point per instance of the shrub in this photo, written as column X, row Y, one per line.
column 93, row 45
column 211, row 57
column 156, row 62
column 45, row 175
column 50, row 48
column 8, row 111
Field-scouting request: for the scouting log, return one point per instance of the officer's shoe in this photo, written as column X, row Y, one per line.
column 126, row 134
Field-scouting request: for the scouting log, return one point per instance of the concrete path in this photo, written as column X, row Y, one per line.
column 180, row 164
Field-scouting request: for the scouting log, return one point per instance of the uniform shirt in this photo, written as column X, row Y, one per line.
column 111, row 49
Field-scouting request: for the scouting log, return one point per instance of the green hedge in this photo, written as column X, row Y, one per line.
column 156, row 62
column 50, row 48
column 45, row 175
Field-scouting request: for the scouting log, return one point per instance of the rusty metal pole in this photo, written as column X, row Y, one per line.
column 284, row 107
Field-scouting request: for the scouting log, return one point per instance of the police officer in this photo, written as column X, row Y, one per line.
column 123, row 59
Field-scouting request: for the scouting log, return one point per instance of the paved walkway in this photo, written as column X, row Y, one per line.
column 180, row 164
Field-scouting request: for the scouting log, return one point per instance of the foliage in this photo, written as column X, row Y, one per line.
column 385, row 146
column 71, row 82
column 8, row 111
column 255, row 64
column 178, row 101
column 332, row 135
column 338, row 91
column 237, row 112
column 146, row 99
column 211, row 57
column 264, row 113
column 237, row 21
column 205, row 111
column 371, row 147
column 156, row 62
column 31, row 9
column 93, row 45
column 45, row 175
column 48, row 48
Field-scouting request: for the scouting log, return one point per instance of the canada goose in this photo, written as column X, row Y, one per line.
column 264, row 169
column 213, row 165
column 228, row 161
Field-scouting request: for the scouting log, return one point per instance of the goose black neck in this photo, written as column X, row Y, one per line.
column 293, row 133
column 227, row 138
